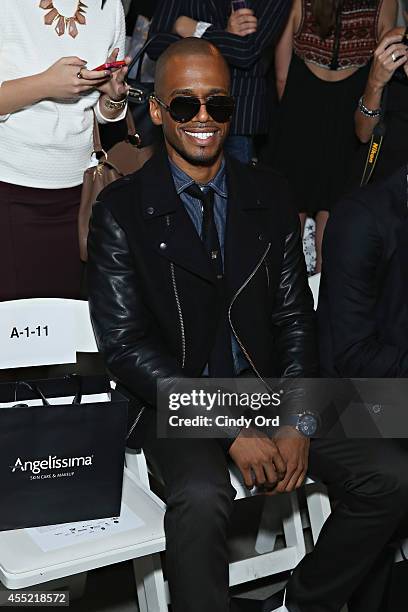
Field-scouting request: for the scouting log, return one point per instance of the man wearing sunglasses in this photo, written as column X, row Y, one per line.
column 196, row 269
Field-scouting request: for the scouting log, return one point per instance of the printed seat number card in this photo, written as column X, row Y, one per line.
column 37, row 332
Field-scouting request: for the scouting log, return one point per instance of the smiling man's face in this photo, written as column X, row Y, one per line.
column 197, row 142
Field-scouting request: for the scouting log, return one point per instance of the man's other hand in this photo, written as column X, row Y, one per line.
column 242, row 22
column 258, row 459
column 294, row 450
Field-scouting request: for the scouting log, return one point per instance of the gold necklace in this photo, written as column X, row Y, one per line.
column 64, row 23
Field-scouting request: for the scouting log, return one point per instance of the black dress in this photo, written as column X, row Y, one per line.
column 315, row 141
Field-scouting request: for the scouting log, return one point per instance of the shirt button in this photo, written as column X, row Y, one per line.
column 163, row 246
column 150, row 210
column 260, row 237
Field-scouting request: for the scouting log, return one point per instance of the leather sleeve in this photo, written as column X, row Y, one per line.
column 293, row 316
column 294, row 323
column 352, row 253
column 123, row 325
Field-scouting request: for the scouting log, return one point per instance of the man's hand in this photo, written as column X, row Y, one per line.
column 294, row 450
column 184, row 26
column 242, row 22
column 256, row 455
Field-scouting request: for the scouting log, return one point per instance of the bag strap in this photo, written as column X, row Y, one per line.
column 375, row 143
column 334, row 64
column 132, row 134
column 40, row 395
column 139, row 55
column 96, row 136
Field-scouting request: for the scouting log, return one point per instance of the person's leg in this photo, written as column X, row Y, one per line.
column 41, row 250
column 199, row 500
column 321, row 219
column 369, row 480
column 240, row 147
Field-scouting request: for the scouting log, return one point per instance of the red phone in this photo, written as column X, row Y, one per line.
column 110, row 65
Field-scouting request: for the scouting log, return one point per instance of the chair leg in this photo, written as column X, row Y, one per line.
column 292, row 527
column 77, row 585
column 151, row 588
column 136, row 463
column 269, row 527
column 318, row 505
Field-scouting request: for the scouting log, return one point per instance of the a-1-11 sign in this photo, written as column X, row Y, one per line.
column 37, row 332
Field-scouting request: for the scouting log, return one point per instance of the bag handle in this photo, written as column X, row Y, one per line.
column 139, row 55
column 31, row 386
column 132, row 135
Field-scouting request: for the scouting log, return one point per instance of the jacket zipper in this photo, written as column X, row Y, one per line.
column 267, row 273
column 180, row 314
column 248, row 280
column 137, row 419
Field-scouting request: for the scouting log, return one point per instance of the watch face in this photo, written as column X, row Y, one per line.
column 307, row 425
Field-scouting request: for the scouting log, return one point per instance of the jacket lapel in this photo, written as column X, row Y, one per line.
column 171, row 231
column 247, row 235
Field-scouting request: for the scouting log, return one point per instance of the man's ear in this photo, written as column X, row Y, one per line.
column 155, row 112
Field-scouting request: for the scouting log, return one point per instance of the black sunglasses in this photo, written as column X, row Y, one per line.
column 184, row 108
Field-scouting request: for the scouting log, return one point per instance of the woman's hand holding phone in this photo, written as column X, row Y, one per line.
column 115, row 87
column 68, row 79
column 242, row 22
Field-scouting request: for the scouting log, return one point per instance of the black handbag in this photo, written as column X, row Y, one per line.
column 138, row 100
column 60, row 463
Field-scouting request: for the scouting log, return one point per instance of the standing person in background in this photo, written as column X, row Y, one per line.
column 47, row 96
column 322, row 64
column 241, row 36
column 385, row 93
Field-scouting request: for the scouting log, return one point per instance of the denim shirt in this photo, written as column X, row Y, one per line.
column 194, row 208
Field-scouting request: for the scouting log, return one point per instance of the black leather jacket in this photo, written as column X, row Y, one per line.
column 151, row 289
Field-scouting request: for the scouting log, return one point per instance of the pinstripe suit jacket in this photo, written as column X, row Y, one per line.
column 243, row 54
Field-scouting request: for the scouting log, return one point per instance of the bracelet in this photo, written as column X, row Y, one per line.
column 366, row 111
column 115, row 104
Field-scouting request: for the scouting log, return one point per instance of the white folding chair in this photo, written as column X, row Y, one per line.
column 62, row 328
column 268, row 561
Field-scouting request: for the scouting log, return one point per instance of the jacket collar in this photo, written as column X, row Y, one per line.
column 174, row 236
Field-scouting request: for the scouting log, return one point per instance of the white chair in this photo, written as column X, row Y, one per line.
column 23, row 564
column 268, row 561
column 61, row 329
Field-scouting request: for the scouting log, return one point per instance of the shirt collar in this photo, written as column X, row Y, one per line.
column 182, row 180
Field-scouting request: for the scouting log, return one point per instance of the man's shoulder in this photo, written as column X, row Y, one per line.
column 378, row 200
column 119, row 192
column 264, row 180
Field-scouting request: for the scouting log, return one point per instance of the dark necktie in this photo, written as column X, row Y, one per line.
column 209, row 234
column 220, row 363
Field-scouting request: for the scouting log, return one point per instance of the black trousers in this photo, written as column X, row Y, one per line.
column 353, row 557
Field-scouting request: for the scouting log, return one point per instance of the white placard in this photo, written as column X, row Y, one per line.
column 37, row 332
column 56, row 537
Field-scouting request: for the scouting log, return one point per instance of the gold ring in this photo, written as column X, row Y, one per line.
column 79, row 73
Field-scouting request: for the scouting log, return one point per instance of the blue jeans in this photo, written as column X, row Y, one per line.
column 240, row 147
